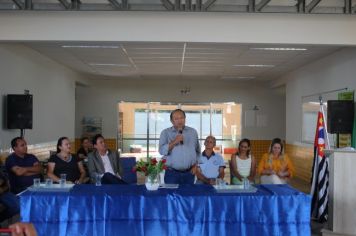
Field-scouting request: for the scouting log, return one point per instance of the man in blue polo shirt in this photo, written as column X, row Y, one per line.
column 211, row 165
column 21, row 166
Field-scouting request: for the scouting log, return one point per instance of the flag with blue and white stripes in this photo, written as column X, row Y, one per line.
column 320, row 176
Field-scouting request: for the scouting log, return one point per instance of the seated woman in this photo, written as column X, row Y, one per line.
column 210, row 164
column 63, row 162
column 243, row 164
column 85, row 148
column 275, row 167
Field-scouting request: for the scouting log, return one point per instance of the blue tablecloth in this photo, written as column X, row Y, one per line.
column 188, row 210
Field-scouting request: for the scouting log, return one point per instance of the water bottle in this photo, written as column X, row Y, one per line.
column 246, row 183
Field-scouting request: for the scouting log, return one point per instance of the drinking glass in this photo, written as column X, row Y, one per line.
column 49, row 183
column 36, row 182
column 97, row 179
column 63, row 180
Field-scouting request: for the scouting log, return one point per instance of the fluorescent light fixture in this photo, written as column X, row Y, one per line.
column 89, row 46
column 204, row 62
column 178, row 48
column 253, row 65
column 280, row 49
column 109, row 64
column 154, row 62
column 158, row 57
column 238, row 77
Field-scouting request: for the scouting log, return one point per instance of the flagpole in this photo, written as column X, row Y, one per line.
column 326, row 128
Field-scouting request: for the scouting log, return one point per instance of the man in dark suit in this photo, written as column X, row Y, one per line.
column 104, row 162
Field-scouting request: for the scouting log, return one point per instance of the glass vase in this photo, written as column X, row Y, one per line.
column 152, row 182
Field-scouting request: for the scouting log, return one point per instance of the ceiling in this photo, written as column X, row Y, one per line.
column 251, row 6
column 169, row 60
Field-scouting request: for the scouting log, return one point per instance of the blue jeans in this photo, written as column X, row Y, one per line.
column 11, row 202
column 176, row 177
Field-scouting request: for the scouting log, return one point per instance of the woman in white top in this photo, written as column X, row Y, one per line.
column 243, row 164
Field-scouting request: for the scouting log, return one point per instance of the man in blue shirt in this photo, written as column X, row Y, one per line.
column 21, row 166
column 211, row 165
column 180, row 146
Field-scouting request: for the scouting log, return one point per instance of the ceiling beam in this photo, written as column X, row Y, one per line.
column 167, row 4
column 75, row 5
column 28, row 5
column 301, row 6
column 125, row 4
column 188, row 5
column 261, row 5
column 177, row 5
column 65, row 4
column 251, row 5
column 198, row 5
column 348, row 7
column 208, row 4
column 115, row 4
column 19, row 4
column 312, row 5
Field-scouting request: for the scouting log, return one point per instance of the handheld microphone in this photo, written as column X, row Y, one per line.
column 181, row 132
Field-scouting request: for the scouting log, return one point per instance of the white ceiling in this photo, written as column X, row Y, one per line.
column 201, row 60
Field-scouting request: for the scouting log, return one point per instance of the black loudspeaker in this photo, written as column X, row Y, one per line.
column 19, row 111
column 340, row 116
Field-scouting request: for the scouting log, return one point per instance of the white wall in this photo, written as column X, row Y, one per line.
column 53, row 89
column 178, row 27
column 101, row 98
column 333, row 72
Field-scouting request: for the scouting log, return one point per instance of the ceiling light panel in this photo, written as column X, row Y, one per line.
column 110, row 64
column 91, row 46
column 279, row 49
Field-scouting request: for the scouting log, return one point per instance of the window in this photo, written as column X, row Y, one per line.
column 142, row 123
column 310, row 115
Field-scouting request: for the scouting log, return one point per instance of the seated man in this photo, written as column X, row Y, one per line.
column 21, row 166
column 7, row 199
column 104, row 162
column 210, row 164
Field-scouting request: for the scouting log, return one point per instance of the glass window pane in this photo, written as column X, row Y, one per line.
column 223, row 120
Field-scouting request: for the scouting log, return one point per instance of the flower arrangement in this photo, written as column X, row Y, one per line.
column 150, row 168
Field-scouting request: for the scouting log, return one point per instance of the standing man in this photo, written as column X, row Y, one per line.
column 105, row 163
column 21, row 166
column 180, row 146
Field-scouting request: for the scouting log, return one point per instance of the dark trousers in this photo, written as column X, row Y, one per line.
column 178, row 177
column 109, row 178
column 11, row 202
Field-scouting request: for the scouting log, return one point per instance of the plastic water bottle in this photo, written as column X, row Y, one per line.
column 246, row 183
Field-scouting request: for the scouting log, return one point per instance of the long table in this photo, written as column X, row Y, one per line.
column 189, row 210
